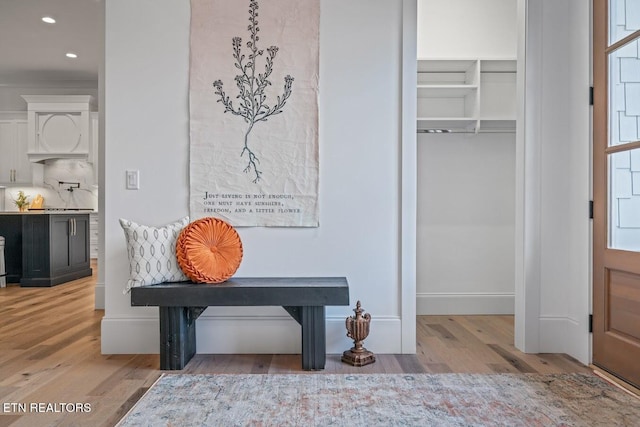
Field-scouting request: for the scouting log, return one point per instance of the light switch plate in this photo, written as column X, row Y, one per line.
column 133, row 180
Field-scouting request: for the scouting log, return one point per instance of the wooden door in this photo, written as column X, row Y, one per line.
column 616, row 188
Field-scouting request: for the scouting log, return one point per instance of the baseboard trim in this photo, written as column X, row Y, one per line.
column 99, row 300
column 565, row 335
column 465, row 303
column 246, row 335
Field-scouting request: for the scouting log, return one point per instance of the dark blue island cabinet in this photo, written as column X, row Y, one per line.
column 55, row 248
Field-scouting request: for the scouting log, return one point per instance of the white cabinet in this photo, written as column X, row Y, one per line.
column 93, row 235
column 59, row 126
column 15, row 167
column 93, row 145
column 466, row 95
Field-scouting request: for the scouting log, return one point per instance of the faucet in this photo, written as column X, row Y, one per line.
column 71, row 185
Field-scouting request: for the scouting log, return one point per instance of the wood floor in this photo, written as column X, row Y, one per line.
column 50, row 353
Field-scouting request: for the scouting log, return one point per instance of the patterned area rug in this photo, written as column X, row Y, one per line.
column 384, row 400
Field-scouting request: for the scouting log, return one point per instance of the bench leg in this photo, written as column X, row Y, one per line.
column 312, row 320
column 177, row 337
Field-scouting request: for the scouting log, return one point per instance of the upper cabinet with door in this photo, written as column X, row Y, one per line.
column 59, row 126
column 15, row 167
column 93, row 146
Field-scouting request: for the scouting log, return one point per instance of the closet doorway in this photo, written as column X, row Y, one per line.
column 466, row 140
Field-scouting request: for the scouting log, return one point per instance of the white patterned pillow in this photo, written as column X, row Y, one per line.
column 152, row 253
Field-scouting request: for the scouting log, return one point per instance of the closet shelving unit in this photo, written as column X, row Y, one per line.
column 466, row 95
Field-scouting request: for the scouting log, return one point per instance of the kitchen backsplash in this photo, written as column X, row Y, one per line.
column 59, row 176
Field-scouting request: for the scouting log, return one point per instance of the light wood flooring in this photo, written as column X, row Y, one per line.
column 50, row 353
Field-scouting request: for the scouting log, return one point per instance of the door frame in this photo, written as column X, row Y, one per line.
column 553, row 143
column 408, row 178
column 527, row 311
column 535, row 331
column 527, row 227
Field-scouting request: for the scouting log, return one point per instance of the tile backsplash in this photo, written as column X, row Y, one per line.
column 57, row 195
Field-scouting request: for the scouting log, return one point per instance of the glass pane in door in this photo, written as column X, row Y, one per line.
column 624, row 94
column 624, row 200
column 624, row 19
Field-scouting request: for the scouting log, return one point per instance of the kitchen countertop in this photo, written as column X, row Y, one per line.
column 79, row 211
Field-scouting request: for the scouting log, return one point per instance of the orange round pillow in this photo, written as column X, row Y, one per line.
column 209, row 250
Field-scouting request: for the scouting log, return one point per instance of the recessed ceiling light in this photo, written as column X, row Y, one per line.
column 48, row 20
column 71, row 55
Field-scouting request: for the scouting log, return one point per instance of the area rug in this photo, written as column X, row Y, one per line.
column 384, row 400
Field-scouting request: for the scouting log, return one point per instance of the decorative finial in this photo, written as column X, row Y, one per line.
column 358, row 330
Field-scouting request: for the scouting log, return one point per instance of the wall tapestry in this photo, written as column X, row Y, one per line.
column 254, row 111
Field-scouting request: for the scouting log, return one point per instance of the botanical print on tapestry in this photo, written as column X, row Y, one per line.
column 254, row 111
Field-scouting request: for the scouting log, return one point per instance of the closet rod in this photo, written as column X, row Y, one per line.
column 464, row 132
column 462, row 72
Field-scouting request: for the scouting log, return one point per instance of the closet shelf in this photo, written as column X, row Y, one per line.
column 466, row 95
column 445, row 91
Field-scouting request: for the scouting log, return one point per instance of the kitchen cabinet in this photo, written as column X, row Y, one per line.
column 15, row 167
column 55, row 248
column 94, row 145
column 93, row 236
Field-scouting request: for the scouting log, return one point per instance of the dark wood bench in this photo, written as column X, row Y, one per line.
column 180, row 304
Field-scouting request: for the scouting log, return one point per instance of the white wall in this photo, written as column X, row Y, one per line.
column 466, row 28
column 466, row 192
column 466, row 224
column 146, row 128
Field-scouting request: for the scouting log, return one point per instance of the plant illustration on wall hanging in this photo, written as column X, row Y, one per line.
column 252, row 99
